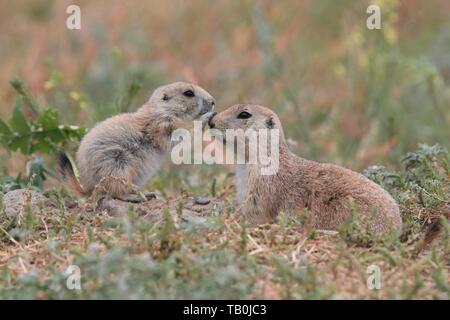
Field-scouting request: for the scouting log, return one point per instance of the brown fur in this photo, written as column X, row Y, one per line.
column 132, row 146
column 328, row 191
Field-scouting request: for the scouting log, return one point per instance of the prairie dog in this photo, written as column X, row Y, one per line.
column 128, row 149
column 326, row 190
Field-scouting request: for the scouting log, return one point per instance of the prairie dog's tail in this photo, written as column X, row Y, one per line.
column 66, row 170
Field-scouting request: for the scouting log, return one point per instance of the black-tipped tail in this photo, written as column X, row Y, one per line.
column 65, row 168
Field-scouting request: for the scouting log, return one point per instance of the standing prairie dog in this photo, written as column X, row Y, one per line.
column 328, row 191
column 126, row 150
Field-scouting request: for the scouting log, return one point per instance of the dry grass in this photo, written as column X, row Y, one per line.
column 283, row 260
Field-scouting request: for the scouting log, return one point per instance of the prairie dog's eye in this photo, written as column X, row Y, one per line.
column 165, row 97
column 189, row 93
column 244, row 115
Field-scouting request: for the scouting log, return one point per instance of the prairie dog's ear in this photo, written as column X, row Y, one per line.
column 269, row 123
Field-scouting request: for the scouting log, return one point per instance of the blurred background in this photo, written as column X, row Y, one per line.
column 345, row 94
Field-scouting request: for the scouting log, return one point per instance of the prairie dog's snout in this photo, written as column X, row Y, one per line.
column 210, row 121
column 206, row 105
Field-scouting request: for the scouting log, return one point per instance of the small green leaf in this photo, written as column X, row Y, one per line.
column 21, row 142
column 54, row 135
column 73, row 132
column 18, row 122
column 49, row 119
column 41, row 145
column 5, row 133
column 4, row 129
column 19, row 86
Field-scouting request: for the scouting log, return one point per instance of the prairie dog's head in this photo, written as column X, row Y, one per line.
column 182, row 100
column 245, row 116
column 242, row 127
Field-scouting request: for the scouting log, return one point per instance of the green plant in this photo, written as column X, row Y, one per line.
column 42, row 132
column 32, row 134
column 34, row 177
column 421, row 187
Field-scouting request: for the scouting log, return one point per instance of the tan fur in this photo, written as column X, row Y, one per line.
column 132, row 146
column 326, row 190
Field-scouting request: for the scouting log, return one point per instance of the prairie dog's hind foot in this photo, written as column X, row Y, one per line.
column 137, row 197
column 119, row 188
column 134, row 197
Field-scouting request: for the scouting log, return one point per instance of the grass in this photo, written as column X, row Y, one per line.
column 219, row 257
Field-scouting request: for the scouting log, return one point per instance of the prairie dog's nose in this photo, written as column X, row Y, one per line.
column 211, row 102
column 207, row 105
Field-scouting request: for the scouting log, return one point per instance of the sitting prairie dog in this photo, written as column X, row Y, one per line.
column 328, row 191
column 125, row 151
